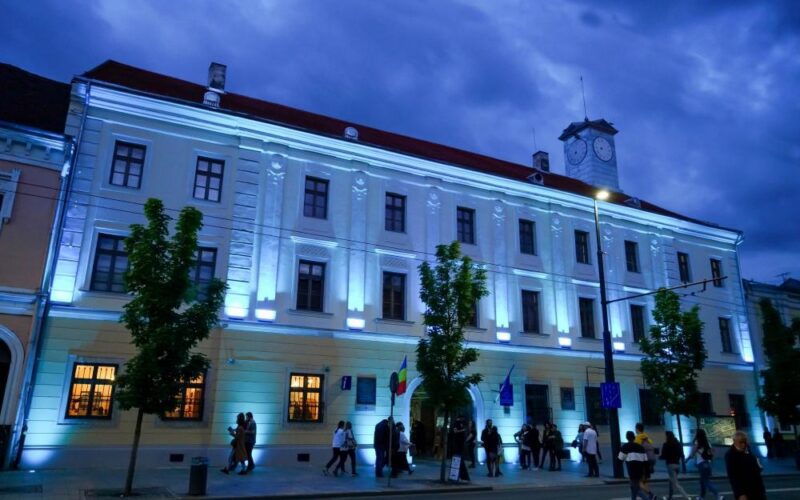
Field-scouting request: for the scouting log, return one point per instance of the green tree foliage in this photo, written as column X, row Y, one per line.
column 165, row 318
column 674, row 354
column 449, row 290
column 781, row 391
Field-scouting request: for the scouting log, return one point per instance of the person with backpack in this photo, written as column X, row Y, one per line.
column 348, row 449
column 702, row 453
column 672, row 454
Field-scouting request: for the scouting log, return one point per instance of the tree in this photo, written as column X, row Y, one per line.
column 450, row 291
column 674, row 354
column 781, row 390
column 166, row 317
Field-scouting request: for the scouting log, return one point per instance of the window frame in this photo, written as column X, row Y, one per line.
column 387, row 287
column 209, row 174
column 649, row 416
column 185, row 386
column 582, row 252
column 527, row 247
column 372, row 399
column 310, row 279
column 716, row 272
column 464, row 223
column 394, row 215
column 115, row 254
column 310, row 210
column 634, row 323
column 684, row 267
column 128, row 160
column 632, row 257
column 725, row 334
column 528, row 309
column 197, row 281
column 305, row 391
column 92, row 382
column 702, row 399
column 584, row 324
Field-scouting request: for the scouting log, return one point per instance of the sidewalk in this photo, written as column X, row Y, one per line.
column 306, row 481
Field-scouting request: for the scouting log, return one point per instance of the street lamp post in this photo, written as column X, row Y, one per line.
column 608, row 354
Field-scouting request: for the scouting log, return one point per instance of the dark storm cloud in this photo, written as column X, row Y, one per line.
column 704, row 93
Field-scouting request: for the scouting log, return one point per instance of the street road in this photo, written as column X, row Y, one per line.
column 781, row 488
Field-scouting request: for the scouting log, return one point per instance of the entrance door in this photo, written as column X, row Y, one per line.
column 537, row 404
column 426, row 423
column 5, row 365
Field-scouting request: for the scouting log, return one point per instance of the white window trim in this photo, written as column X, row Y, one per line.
column 72, row 360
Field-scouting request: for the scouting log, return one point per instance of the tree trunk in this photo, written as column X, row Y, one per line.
column 134, row 451
column 443, row 469
column 680, row 440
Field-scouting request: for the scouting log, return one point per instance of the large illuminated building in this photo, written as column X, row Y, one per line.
column 318, row 226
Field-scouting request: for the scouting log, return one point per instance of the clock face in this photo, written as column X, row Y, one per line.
column 602, row 148
column 576, row 151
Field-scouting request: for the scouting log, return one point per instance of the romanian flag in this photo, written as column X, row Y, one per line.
column 401, row 378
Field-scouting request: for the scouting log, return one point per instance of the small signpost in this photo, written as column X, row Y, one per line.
column 393, row 383
column 610, row 395
column 347, row 382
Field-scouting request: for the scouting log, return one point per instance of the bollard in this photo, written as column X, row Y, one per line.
column 198, row 476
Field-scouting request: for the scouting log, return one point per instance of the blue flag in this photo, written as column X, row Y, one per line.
column 507, row 390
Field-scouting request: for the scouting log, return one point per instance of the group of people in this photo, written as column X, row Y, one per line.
column 344, row 446
column 242, row 443
column 742, row 466
column 390, row 439
column 535, row 448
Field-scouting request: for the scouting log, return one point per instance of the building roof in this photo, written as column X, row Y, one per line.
column 575, row 127
column 167, row 87
column 32, row 100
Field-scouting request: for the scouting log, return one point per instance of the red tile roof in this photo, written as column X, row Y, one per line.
column 163, row 86
column 32, row 100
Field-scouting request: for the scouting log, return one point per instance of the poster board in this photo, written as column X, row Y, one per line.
column 719, row 429
column 455, row 467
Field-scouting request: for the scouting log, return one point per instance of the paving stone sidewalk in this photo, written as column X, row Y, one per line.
column 304, row 481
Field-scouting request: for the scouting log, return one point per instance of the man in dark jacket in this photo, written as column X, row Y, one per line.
column 744, row 471
column 381, row 443
column 635, row 458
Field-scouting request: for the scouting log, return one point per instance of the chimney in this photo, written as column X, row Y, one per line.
column 216, row 84
column 541, row 161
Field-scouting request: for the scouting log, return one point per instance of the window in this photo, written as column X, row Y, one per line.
column 208, row 179
column 637, row 322
column 310, row 285
column 315, row 203
column 203, row 272
column 632, row 256
column 395, row 217
column 537, row 404
column 530, row 311
column 716, row 272
column 91, row 391
column 567, row 398
column 586, row 307
column 704, row 404
column 366, row 391
column 127, row 166
column 110, row 264
column 394, row 296
column 738, row 410
column 466, row 225
column 190, row 400
column 8, row 190
column 474, row 320
column 650, row 407
column 595, row 413
column 683, row 267
column 725, row 334
column 527, row 237
column 582, row 247
column 305, row 398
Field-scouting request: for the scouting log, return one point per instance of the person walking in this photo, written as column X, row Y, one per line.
column 470, row 441
column 381, row 443
column 744, row 470
column 521, row 438
column 768, row 443
column 650, row 450
column 590, row 449
column 250, row 439
column 489, row 440
column 635, row 459
column 703, row 454
column 672, row 454
column 400, row 457
column 238, row 454
column 348, row 449
column 500, row 457
column 336, row 444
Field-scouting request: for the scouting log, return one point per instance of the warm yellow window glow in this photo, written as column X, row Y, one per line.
column 305, row 398
column 91, row 391
column 190, row 401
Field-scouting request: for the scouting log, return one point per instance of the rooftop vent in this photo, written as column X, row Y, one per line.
column 633, row 202
column 211, row 98
column 541, row 161
column 536, row 178
column 351, row 133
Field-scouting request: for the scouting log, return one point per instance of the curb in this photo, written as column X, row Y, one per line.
column 351, row 494
column 697, row 476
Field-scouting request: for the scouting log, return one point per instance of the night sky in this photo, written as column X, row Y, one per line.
column 706, row 95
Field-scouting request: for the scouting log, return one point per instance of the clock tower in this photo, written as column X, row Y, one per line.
column 589, row 153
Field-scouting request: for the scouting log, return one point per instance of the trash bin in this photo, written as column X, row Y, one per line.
column 198, row 476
